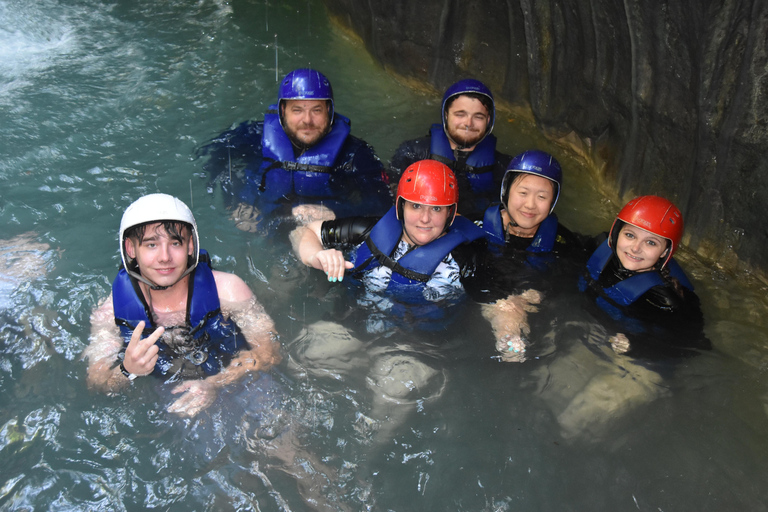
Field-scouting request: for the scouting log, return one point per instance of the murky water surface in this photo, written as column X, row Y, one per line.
column 102, row 102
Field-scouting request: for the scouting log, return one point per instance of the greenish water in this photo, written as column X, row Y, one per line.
column 101, row 102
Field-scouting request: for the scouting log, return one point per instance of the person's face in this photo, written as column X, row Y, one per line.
column 530, row 199
column 423, row 223
column 161, row 258
column 306, row 121
column 639, row 250
column 466, row 121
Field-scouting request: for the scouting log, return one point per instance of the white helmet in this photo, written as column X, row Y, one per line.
column 156, row 208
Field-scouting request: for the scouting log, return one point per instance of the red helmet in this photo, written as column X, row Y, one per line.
column 655, row 215
column 429, row 182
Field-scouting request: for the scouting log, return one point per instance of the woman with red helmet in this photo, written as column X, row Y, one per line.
column 633, row 277
column 409, row 251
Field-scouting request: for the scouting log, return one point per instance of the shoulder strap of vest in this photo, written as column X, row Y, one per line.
column 382, row 239
column 544, row 241
column 493, row 225
column 128, row 302
column 203, row 297
column 480, row 160
column 676, row 271
column 599, row 260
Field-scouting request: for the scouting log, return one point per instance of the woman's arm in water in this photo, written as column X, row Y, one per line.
column 308, row 246
column 509, row 320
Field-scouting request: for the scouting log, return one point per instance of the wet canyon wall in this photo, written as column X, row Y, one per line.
column 660, row 97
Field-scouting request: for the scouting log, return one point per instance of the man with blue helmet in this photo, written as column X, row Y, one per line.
column 463, row 142
column 301, row 154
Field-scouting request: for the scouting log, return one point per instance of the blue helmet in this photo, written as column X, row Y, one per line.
column 469, row 86
column 533, row 162
column 306, row 84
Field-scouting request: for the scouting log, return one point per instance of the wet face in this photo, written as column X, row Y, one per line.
column 639, row 250
column 466, row 121
column 423, row 223
column 528, row 204
column 305, row 121
column 162, row 258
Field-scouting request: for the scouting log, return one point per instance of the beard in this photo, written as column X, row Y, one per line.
column 304, row 143
column 465, row 138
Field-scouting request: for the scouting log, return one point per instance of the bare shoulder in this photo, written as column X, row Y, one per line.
column 231, row 288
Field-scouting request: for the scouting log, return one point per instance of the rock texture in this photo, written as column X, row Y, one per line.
column 664, row 98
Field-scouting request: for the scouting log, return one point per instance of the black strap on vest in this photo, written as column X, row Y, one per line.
column 291, row 166
column 391, row 264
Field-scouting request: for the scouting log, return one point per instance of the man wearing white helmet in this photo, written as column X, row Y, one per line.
column 171, row 315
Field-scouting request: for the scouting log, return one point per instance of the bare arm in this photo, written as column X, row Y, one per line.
column 509, row 321
column 240, row 305
column 307, row 243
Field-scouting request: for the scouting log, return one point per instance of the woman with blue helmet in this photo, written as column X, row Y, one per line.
column 530, row 251
column 525, row 221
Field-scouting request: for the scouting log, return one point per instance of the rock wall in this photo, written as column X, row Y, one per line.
column 661, row 97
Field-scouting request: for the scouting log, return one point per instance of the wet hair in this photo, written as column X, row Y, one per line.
column 172, row 227
column 482, row 98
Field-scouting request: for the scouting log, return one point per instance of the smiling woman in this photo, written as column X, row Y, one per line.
column 639, row 250
column 634, row 279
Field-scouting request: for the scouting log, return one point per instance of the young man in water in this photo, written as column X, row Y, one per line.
column 301, row 154
column 464, row 143
column 171, row 316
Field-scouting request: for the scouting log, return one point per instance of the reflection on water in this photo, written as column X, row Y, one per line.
column 102, row 102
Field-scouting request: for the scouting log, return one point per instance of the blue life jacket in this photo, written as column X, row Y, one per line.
column 543, row 241
column 213, row 337
column 542, row 244
column 309, row 175
column 627, row 291
column 414, row 269
column 480, row 163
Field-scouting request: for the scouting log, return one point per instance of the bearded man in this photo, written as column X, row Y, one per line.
column 300, row 163
column 464, row 143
